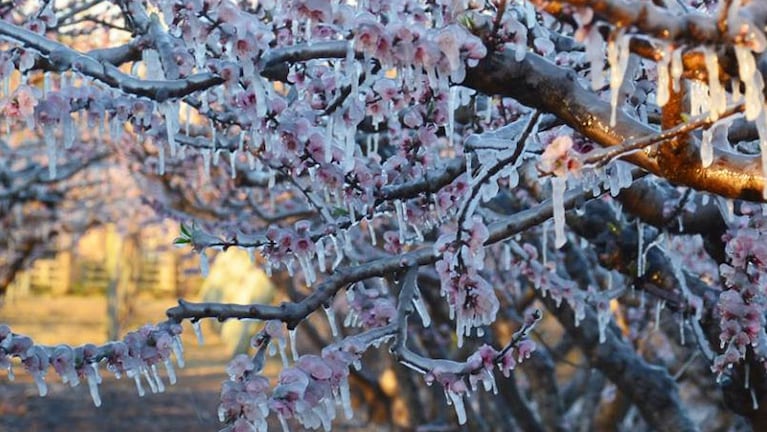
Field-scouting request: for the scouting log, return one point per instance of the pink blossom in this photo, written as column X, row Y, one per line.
column 558, row 157
column 21, row 104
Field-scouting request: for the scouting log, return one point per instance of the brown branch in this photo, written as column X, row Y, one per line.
column 692, row 28
column 536, row 82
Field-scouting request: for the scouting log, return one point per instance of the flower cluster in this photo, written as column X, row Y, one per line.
column 368, row 308
column 471, row 298
column 742, row 303
column 307, row 391
column 559, row 157
column 137, row 356
column 479, row 367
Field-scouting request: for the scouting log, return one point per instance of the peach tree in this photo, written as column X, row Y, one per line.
column 431, row 179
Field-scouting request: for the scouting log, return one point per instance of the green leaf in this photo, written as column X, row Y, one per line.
column 181, row 241
column 339, row 211
column 185, row 231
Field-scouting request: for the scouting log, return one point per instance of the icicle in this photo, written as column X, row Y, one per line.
column 677, row 68
column 139, row 387
column 422, row 310
column 68, row 130
column 233, row 163
column 206, row 153
column 452, row 98
column 640, row 253
column 178, row 351
column 171, row 371
column 204, row 264
column 618, row 56
column 161, row 158
column 545, row 243
column 307, row 269
column 320, row 250
column 198, row 332
column 371, row 232
column 658, row 307
column 747, row 379
column 400, row 220
column 157, row 379
column 352, row 70
column 339, row 254
column 754, row 400
column 346, row 400
column 718, row 93
column 681, row 332
column 457, row 402
column 623, row 173
column 753, row 81
column 293, row 349
column 42, row 387
column 558, row 187
column 331, row 314
column 170, row 111
column 707, row 148
column 93, row 386
column 594, row 46
column 283, row 354
column 699, row 98
column 761, row 128
column 664, row 85
column 50, row 144
column 152, row 384
column 603, row 320
column 46, row 84
column 283, row 422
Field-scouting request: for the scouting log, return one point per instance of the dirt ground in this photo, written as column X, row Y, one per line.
column 188, row 406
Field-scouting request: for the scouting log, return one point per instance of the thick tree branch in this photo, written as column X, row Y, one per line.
column 649, row 387
column 536, row 82
column 64, row 58
column 650, row 19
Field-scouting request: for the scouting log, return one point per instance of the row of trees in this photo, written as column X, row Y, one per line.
column 446, row 178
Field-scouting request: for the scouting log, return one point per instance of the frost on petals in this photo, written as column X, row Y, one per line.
column 559, row 158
